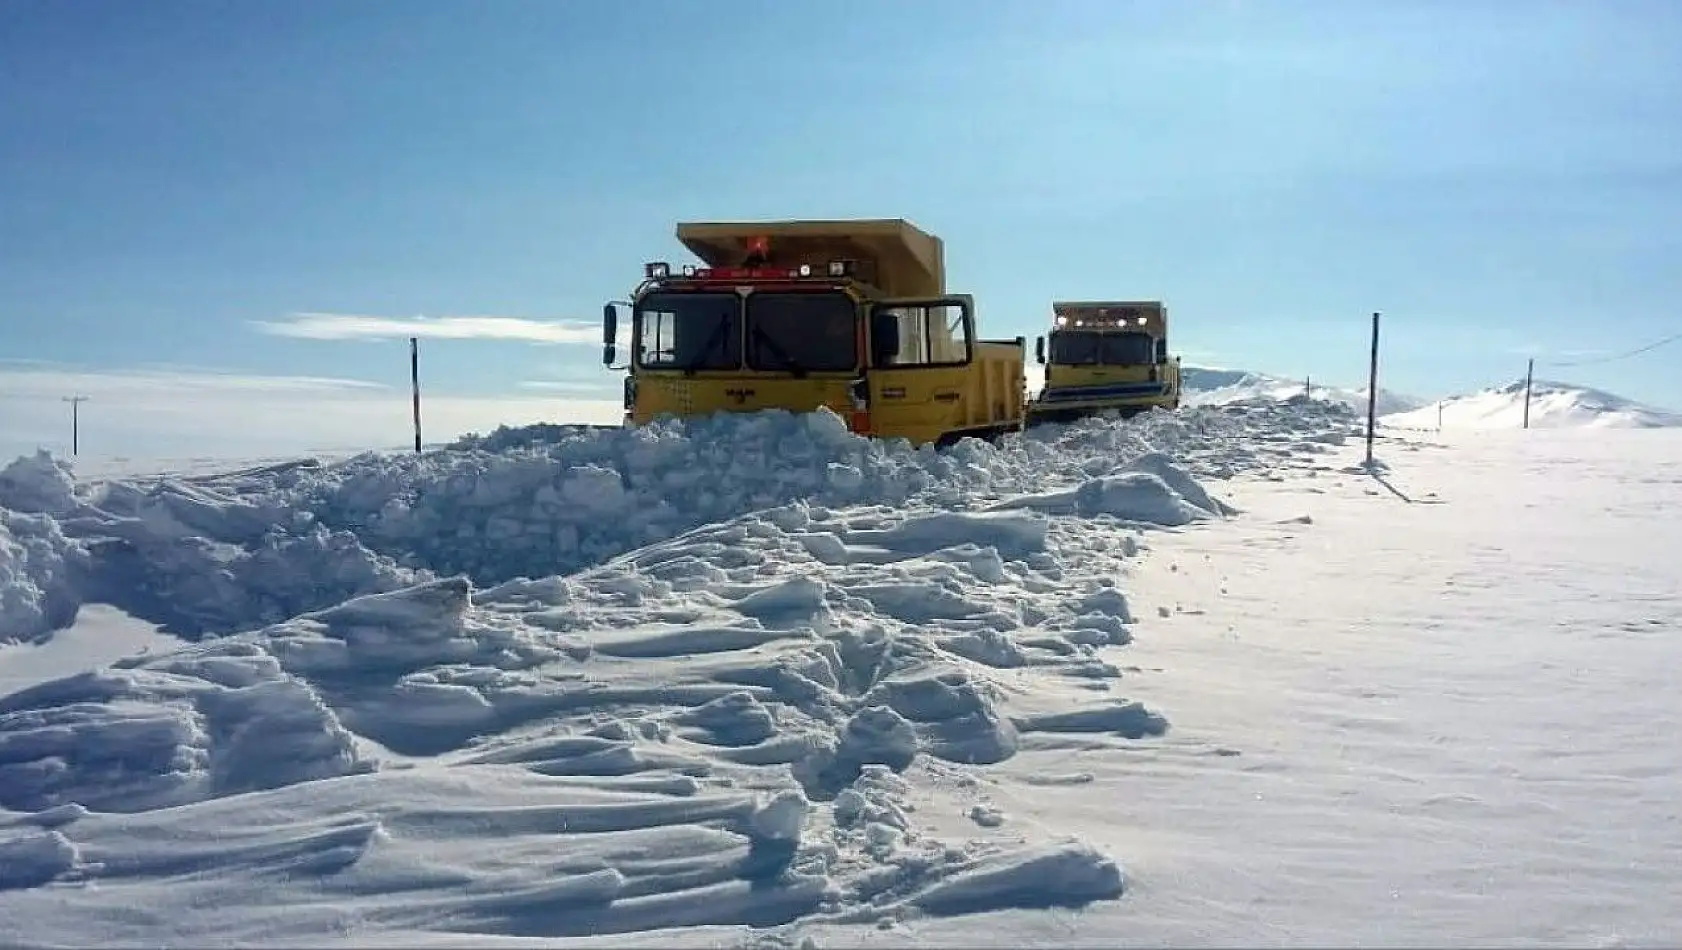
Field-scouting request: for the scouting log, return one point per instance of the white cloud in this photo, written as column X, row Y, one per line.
column 579, row 386
column 350, row 326
column 156, row 413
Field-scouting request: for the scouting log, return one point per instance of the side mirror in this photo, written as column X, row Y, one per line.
column 610, row 333
column 1039, row 349
column 884, row 336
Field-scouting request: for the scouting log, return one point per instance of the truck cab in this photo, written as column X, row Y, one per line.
column 797, row 315
column 1105, row 356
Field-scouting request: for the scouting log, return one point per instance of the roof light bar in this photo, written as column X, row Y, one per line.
column 1103, row 321
column 660, row 270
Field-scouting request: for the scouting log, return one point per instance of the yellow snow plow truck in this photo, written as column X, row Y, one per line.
column 852, row 315
column 1106, row 355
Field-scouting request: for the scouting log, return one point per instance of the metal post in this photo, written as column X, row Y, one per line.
column 414, row 385
column 1308, row 386
column 1372, row 389
column 1439, row 415
column 75, row 422
column 1529, row 375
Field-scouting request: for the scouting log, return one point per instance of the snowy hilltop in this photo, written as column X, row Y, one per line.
column 1553, row 405
column 1206, row 386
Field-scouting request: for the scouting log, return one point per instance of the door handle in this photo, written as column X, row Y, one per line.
column 947, row 396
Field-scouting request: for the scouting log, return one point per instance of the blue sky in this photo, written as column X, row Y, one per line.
column 1500, row 179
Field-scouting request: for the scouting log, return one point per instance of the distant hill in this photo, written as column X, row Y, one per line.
column 1206, row 386
column 1553, row 405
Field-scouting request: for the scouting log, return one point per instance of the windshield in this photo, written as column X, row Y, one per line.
column 1072, row 347
column 1077, row 347
column 689, row 331
column 812, row 332
column 1127, row 349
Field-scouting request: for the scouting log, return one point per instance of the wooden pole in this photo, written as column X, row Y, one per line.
column 414, row 385
column 1529, row 376
column 1372, row 389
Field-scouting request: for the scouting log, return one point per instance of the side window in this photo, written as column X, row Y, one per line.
column 922, row 333
column 655, row 344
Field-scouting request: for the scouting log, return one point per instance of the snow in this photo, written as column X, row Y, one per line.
column 1552, row 405
column 1207, row 386
column 1433, row 709
column 753, row 681
column 100, row 635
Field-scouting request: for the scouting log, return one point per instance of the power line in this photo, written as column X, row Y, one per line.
column 1619, row 356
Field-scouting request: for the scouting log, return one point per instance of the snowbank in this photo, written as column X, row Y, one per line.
column 1552, row 406
column 556, row 506
column 219, row 554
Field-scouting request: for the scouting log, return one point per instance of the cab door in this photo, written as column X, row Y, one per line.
column 918, row 372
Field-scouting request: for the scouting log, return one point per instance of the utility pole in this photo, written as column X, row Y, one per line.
column 1372, row 389
column 414, row 386
column 75, row 422
column 1529, row 376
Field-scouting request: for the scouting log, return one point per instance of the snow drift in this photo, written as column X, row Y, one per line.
column 1553, row 405
column 612, row 681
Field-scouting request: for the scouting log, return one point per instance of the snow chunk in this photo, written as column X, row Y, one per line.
column 38, row 484
column 1132, row 496
column 1067, row 875
column 39, row 570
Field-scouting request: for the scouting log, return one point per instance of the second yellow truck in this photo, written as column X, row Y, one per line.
column 852, row 315
column 1105, row 355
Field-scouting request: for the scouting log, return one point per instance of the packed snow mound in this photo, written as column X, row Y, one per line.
column 1553, row 405
column 1205, row 387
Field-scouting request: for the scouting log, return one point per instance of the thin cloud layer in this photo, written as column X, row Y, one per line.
column 154, row 412
column 45, row 380
column 350, row 326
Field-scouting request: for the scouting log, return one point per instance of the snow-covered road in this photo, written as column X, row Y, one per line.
column 1437, row 709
